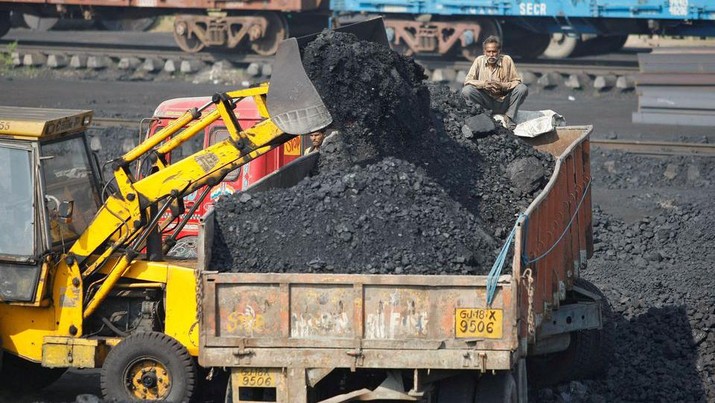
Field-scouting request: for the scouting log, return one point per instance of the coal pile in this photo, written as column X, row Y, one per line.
column 376, row 97
column 401, row 188
column 639, row 170
column 331, row 223
column 656, row 271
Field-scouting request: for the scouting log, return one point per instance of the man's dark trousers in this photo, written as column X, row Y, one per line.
column 508, row 106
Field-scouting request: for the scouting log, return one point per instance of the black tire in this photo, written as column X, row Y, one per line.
column 457, row 389
column 497, row 388
column 20, row 375
column 588, row 355
column 154, row 359
column 595, row 348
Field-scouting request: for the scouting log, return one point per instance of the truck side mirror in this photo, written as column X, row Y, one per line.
column 65, row 210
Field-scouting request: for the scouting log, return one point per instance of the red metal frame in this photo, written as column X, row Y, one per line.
column 247, row 115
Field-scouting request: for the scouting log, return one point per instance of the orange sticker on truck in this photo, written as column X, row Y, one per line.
column 292, row 147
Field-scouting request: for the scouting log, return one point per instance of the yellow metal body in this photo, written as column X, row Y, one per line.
column 50, row 329
column 38, row 123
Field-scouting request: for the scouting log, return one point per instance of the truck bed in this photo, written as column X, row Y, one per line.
column 408, row 321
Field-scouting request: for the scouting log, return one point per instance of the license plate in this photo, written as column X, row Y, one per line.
column 478, row 323
column 256, row 377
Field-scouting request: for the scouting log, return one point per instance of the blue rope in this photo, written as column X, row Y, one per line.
column 524, row 257
column 498, row 265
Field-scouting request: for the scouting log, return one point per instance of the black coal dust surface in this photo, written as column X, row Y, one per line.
column 400, row 189
column 656, row 270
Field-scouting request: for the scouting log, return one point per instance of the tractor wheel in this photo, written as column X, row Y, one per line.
column 20, row 375
column 587, row 356
column 149, row 367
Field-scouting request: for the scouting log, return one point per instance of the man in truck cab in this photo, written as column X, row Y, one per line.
column 494, row 83
column 316, row 139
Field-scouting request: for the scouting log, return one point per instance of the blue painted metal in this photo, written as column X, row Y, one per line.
column 631, row 9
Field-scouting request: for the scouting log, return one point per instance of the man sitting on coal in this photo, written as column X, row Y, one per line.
column 493, row 82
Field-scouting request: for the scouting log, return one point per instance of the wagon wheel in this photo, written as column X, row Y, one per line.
column 402, row 49
column 185, row 39
column 276, row 31
column 148, row 366
column 4, row 22
column 123, row 23
column 488, row 27
column 40, row 22
column 531, row 46
column 561, row 46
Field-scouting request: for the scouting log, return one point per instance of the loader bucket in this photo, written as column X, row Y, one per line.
column 372, row 30
column 293, row 102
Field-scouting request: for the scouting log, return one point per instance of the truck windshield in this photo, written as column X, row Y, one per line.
column 68, row 177
column 16, row 211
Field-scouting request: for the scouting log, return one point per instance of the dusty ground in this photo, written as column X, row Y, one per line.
column 651, row 228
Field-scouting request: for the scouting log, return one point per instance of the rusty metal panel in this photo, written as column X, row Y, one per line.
column 547, row 242
column 248, row 310
column 246, row 315
column 322, row 311
column 466, row 358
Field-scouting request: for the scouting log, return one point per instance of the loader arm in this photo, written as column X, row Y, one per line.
column 129, row 216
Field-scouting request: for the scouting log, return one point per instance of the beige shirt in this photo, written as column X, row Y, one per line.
column 504, row 72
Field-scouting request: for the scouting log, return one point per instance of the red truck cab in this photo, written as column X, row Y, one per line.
column 247, row 115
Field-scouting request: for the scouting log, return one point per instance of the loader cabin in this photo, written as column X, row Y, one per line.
column 50, row 193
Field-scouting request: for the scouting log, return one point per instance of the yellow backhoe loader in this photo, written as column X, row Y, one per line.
column 83, row 278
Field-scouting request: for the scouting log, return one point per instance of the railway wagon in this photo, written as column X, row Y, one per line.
column 447, row 338
column 555, row 28
column 249, row 26
column 530, row 28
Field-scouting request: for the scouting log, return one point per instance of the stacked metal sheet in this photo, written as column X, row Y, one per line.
column 676, row 86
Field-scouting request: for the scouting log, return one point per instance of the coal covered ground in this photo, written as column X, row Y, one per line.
column 654, row 233
column 403, row 187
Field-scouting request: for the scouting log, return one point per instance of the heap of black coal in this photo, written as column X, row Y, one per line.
column 399, row 188
column 386, row 217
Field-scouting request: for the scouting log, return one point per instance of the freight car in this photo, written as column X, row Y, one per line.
column 255, row 27
column 529, row 27
column 556, row 28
